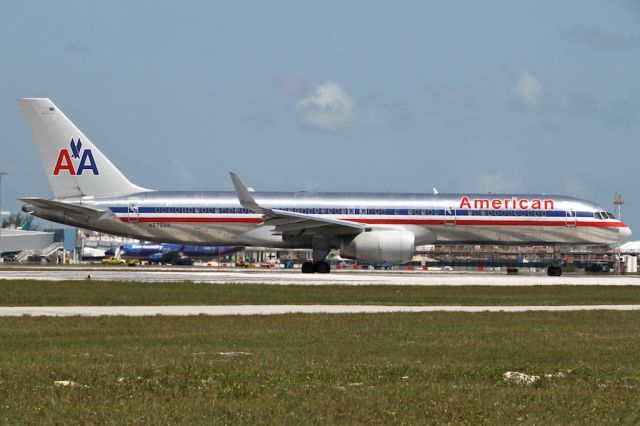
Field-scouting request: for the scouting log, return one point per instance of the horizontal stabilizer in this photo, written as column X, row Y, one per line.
column 70, row 209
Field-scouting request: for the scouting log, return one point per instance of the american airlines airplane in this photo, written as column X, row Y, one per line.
column 90, row 192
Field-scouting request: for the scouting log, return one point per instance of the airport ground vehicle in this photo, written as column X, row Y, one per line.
column 90, row 192
column 182, row 261
column 597, row 267
column 113, row 261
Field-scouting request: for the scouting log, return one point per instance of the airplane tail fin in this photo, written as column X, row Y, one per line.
column 74, row 166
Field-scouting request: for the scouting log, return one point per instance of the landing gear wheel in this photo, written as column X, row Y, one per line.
column 322, row 267
column 554, row 271
column 308, row 268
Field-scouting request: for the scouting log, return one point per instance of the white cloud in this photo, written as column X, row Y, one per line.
column 527, row 89
column 327, row 107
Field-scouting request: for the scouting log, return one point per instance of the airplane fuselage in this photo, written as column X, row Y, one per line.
column 216, row 218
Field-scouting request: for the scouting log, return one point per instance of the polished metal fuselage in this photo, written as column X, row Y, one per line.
column 212, row 218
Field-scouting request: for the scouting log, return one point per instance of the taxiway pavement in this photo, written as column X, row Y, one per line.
column 290, row 277
column 136, row 311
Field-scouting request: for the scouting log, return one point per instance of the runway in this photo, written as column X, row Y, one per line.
column 291, row 277
column 137, row 311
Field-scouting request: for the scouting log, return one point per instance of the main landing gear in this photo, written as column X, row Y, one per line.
column 555, row 269
column 320, row 267
column 320, row 252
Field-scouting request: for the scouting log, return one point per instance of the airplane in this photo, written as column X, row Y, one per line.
column 90, row 192
column 167, row 253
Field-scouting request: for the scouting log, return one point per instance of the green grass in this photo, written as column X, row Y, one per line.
column 319, row 369
column 49, row 293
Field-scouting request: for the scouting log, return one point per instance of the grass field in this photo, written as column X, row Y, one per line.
column 61, row 293
column 318, row 369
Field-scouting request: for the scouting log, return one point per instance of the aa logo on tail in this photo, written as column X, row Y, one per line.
column 67, row 161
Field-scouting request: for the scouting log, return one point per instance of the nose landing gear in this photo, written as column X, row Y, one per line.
column 554, row 271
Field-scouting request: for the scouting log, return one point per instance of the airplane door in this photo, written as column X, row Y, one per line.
column 570, row 218
column 450, row 216
column 133, row 211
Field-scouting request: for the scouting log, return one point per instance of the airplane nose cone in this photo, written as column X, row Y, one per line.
column 624, row 233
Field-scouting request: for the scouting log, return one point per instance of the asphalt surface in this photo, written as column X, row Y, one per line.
column 288, row 277
column 136, row 311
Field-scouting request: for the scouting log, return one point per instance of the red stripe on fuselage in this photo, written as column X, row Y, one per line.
column 476, row 222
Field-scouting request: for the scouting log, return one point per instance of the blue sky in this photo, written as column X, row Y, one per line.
column 340, row 96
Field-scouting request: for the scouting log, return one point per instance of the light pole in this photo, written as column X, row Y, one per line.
column 1, row 221
column 618, row 202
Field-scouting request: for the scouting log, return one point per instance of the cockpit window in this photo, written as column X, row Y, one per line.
column 604, row 215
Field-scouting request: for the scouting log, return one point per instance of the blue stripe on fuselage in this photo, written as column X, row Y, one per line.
column 358, row 211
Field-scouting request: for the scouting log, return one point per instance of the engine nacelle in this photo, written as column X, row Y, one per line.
column 382, row 246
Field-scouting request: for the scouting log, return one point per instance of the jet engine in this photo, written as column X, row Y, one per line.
column 377, row 246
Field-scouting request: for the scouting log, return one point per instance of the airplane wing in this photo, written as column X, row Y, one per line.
column 292, row 222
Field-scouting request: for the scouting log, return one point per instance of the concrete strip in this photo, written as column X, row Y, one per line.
column 135, row 311
column 295, row 277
